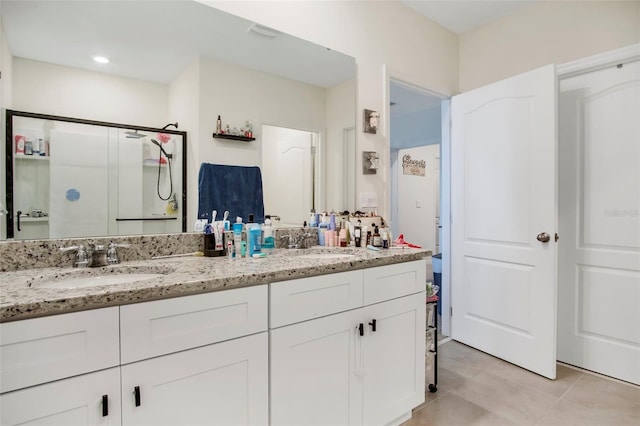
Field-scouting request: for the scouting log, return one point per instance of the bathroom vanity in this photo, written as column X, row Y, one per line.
column 299, row 337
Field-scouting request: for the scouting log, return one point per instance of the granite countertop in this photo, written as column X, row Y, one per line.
column 28, row 293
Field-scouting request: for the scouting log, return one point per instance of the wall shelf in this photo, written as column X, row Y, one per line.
column 27, row 219
column 31, row 157
column 233, row 137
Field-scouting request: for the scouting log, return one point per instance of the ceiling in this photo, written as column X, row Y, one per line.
column 460, row 16
column 156, row 40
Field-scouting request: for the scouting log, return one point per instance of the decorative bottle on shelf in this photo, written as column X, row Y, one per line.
column 218, row 125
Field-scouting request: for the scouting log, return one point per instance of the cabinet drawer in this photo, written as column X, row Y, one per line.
column 306, row 298
column 392, row 281
column 41, row 350
column 164, row 326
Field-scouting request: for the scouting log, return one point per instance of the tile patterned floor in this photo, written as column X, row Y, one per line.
column 477, row 389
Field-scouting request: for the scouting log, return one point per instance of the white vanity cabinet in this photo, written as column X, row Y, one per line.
column 50, row 370
column 191, row 360
column 361, row 365
column 192, row 364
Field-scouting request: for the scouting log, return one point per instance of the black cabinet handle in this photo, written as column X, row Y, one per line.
column 19, row 213
column 361, row 329
column 136, row 393
column 105, row 405
column 373, row 325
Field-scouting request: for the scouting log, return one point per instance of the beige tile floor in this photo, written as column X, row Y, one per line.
column 477, row 389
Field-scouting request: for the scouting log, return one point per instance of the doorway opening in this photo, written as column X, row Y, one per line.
column 416, row 130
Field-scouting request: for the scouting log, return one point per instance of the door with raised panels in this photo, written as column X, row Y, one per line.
column 599, row 259
column 503, row 192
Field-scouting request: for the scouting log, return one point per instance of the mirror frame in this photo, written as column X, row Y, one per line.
column 9, row 156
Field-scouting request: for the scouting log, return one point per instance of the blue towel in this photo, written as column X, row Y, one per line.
column 234, row 188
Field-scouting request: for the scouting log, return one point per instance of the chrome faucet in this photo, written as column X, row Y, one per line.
column 96, row 255
column 297, row 242
column 81, row 260
column 112, row 253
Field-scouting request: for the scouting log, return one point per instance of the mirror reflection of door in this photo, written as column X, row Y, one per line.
column 288, row 158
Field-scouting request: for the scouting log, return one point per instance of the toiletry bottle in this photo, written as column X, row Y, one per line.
column 368, row 242
column 376, row 240
column 385, row 238
column 20, row 144
column 268, row 240
column 332, row 222
column 254, row 236
column 313, row 221
column 218, row 125
column 357, row 234
column 322, row 232
column 343, row 237
column 237, row 236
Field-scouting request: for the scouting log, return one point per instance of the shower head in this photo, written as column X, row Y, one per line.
column 155, row 142
column 134, row 135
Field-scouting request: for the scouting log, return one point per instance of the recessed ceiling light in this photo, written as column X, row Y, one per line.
column 101, row 59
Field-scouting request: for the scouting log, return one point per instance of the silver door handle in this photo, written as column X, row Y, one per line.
column 543, row 237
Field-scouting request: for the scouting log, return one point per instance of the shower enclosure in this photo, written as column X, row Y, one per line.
column 69, row 177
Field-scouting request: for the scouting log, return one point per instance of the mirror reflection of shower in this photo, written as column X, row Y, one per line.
column 166, row 160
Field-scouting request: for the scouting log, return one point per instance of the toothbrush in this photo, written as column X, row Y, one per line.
column 225, row 216
column 213, row 215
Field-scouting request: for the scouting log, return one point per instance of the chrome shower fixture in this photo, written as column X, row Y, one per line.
column 134, row 135
column 171, row 124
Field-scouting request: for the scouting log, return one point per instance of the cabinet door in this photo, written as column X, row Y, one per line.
column 90, row 399
column 394, row 358
column 222, row 384
column 314, row 367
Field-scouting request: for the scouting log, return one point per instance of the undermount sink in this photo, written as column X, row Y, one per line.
column 325, row 256
column 82, row 278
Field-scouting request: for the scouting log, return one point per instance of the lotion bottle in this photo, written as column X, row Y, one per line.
column 237, row 236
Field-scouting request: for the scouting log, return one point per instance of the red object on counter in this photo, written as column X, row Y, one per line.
column 401, row 242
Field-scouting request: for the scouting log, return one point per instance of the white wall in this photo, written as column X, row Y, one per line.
column 543, row 33
column 239, row 94
column 341, row 114
column 417, row 198
column 46, row 88
column 184, row 107
column 6, row 100
column 376, row 33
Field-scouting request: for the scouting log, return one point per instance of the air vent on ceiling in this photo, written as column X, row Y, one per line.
column 263, row 31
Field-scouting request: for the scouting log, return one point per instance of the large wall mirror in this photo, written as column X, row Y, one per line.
column 183, row 61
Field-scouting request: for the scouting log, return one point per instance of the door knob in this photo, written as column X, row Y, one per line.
column 543, row 237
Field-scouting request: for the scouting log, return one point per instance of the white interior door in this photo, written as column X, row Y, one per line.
column 503, row 190
column 599, row 272
column 287, row 173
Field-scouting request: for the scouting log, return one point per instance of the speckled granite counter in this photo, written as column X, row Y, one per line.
column 26, row 293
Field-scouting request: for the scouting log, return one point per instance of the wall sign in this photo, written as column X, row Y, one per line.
column 413, row 167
